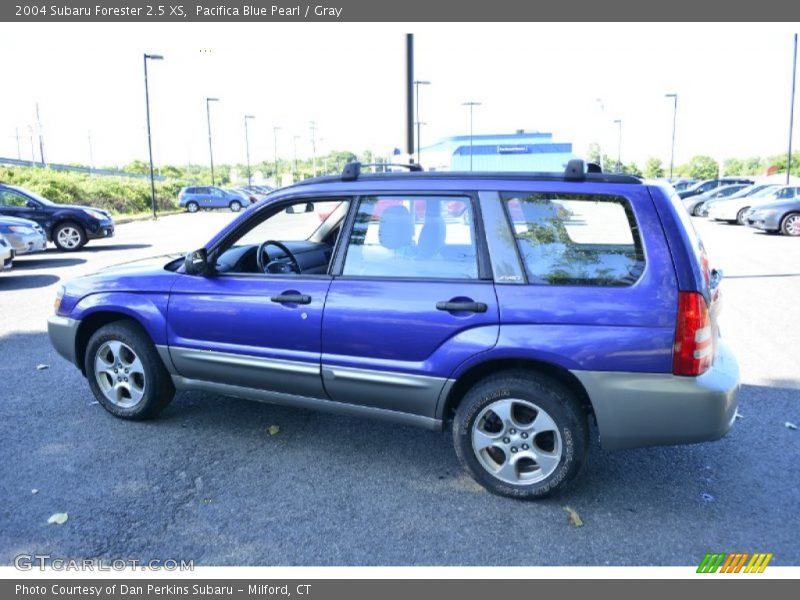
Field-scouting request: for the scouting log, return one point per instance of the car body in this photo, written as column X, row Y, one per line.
column 780, row 216
column 25, row 236
column 6, row 253
column 196, row 197
column 733, row 210
column 68, row 227
column 707, row 185
column 694, row 203
column 752, row 191
column 682, row 184
column 560, row 298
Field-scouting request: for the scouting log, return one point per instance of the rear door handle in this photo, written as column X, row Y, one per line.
column 476, row 307
column 292, row 298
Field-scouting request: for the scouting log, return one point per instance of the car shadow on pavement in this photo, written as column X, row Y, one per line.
column 24, row 262
column 24, row 282
column 109, row 247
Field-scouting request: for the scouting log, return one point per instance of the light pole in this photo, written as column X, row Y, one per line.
column 418, row 83
column 210, row 150
column 791, row 114
column 314, row 145
column 275, row 151
column 674, row 117
column 91, row 154
column 247, row 149
column 602, row 120
column 619, row 146
column 294, row 142
column 471, row 105
column 149, row 135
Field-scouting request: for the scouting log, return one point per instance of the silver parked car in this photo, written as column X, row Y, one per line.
column 24, row 236
column 6, row 253
column 694, row 203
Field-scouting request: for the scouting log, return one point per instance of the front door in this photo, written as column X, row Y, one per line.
column 257, row 323
column 410, row 304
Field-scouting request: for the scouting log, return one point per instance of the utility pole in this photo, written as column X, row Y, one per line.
column 294, row 141
column 19, row 152
column 275, row 150
column 410, row 96
column 674, row 117
column 41, row 137
column 314, row 146
column 471, row 105
column 619, row 146
column 149, row 136
column 91, row 155
column 418, row 83
column 210, row 148
column 603, row 121
column 791, row 113
column 247, row 149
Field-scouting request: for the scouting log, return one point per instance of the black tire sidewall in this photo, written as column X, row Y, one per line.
column 158, row 385
column 76, row 226
column 546, row 393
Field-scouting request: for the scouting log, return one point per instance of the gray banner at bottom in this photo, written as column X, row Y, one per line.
column 355, row 589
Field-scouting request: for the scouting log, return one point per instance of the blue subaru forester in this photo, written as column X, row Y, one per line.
column 514, row 308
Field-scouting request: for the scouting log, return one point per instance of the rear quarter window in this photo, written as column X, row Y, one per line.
column 576, row 239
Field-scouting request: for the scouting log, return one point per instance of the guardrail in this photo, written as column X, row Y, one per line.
column 89, row 171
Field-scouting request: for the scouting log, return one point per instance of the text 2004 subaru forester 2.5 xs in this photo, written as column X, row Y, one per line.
column 513, row 307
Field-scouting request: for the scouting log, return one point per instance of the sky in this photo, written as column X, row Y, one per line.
column 733, row 83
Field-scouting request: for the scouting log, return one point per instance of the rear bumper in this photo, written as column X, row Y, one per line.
column 659, row 409
column 63, row 331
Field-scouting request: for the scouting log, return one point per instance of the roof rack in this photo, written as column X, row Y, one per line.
column 352, row 170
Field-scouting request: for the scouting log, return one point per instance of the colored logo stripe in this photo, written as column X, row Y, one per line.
column 734, row 562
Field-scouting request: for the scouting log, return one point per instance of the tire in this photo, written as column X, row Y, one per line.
column 790, row 225
column 740, row 215
column 143, row 387
column 696, row 210
column 235, row 206
column 69, row 236
column 562, row 438
column 192, row 207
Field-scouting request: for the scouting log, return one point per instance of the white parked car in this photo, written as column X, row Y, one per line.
column 733, row 210
column 6, row 254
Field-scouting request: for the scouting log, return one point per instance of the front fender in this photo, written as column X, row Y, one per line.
column 149, row 310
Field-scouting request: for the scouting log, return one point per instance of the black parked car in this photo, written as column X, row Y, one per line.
column 68, row 227
column 701, row 187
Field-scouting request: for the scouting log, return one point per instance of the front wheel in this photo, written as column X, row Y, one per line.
column 521, row 434
column 235, row 206
column 69, row 237
column 125, row 372
column 791, row 224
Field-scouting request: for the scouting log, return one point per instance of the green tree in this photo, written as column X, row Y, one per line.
column 702, row 167
column 653, row 168
column 734, row 166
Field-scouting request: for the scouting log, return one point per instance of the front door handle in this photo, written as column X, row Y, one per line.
column 476, row 307
column 292, row 298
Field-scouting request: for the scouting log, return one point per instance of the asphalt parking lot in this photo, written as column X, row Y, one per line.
column 207, row 482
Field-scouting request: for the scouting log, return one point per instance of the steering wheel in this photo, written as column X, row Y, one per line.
column 263, row 261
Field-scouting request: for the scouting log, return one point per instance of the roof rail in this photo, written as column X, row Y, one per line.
column 352, row 170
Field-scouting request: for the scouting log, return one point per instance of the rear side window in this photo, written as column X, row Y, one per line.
column 576, row 239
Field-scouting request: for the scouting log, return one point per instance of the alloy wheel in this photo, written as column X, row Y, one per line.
column 69, row 237
column 120, row 374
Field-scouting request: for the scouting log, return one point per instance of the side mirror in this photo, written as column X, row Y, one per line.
column 31, row 204
column 196, row 263
column 296, row 209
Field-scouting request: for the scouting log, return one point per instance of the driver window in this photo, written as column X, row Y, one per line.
column 12, row 199
column 308, row 229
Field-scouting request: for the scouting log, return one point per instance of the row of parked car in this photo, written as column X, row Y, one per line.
column 195, row 198
column 29, row 221
column 771, row 207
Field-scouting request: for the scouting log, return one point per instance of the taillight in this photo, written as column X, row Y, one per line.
column 693, row 351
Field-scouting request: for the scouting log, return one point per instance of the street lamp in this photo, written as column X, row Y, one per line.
column 471, row 105
column 210, row 150
column 600, row 137
column 149, row 136
column 418, row 83
column 294, row 142
column 275, row 151
column 674, row 116
column 791, row 114
column 247, row 148
column 619, row 146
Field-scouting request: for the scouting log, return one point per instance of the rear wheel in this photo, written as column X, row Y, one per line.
column 791, row 224
column 740, row 215
column 192, row 206
column 235, row 206
column 521, row 434
column 69, row 236
column 125, row 372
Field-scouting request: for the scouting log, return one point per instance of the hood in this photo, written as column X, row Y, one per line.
column 77, row 207
column 144, row 275
column 18, row 221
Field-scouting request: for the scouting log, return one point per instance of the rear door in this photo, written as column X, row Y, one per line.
column 413, row 298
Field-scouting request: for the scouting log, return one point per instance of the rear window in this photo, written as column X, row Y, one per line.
column 576, row 239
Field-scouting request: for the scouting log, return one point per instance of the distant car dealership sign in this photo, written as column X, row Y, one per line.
column 517, row 149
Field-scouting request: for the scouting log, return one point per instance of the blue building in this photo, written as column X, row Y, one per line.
column 520, row 151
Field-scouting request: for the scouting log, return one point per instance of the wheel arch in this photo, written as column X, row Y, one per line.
column 94, row 321
column 486, row 368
